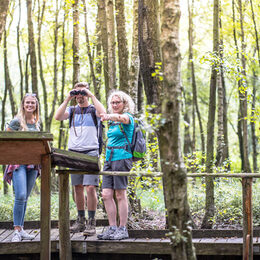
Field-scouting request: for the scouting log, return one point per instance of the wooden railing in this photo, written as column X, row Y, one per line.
column 65, row 246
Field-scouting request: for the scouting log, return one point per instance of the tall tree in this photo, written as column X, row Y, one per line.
column 111, row 44
column 75, row 46
column 174, row 177
column 3, row 14
column 195, row 106
column 92, row 71
column 19, row 52
column 102, row 20
column 32, row 50
column 122, row 46
column 210, row 204
column 135, row 61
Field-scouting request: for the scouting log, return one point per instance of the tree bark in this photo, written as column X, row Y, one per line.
column 102, row 20
column 243, row 93
column 3, row 14
column 8, row 81
column 111, row 44
column 174, row 177
column 19, row 53
column 75, row 46
column 210, row 204
column 92, row 72
column 122, row 46
column 135, row 61
column 32, row 51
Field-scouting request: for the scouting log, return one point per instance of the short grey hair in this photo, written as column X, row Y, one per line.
column 129, row 105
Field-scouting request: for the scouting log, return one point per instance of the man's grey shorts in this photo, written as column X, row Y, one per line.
column 85, row 179
column 116, row 182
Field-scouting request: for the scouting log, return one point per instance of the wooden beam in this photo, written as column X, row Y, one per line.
column 45, row 207
column 247, row 219
column 64, row 218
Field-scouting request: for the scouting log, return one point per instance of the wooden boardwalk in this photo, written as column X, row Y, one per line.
column 154, row 244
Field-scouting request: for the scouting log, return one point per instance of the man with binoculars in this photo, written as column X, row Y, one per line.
column 83, row 138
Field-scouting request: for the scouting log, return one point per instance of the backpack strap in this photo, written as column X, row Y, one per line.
column 123, row 131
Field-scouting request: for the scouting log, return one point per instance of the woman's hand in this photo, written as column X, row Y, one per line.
column 104, row 117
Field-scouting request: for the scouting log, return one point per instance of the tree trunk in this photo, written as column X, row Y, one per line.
column 243, row 94
column 61, row 141
column 187, row 147
column 122, row 46
column 32, row 51
column 135, row 61
column 44, row 87
column 75, row 46
column 111, row 44
column 3, row 14
column 19, row 52
column 92, row 72
column 102, row 20
column 210, row 204
column 174, row 177
column 8, row 81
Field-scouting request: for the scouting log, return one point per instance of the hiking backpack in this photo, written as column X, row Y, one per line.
column 138, row 145
column 98, row 124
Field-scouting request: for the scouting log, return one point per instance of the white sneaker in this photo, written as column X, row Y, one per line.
column 25, row 235
column 16, row 236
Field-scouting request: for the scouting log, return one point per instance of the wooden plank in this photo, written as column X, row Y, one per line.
column 21, row 152
column 64, row 217
column 25, row 135
column 75, row 160
column 45, row 208
column 247, row 219
column 6, row 236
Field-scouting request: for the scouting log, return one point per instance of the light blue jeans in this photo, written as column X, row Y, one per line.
column 23, row 182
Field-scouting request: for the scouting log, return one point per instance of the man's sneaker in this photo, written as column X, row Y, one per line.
column 16, row 236
column 79, row 225
column 25, row 235
column 90, row 229
column 121, row 233
column 105, row 235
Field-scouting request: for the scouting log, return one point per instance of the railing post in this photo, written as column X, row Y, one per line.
column 64, row 218
column 45, row 207
column 247, row 218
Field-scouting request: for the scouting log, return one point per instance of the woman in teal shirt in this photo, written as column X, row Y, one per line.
column 118, row 158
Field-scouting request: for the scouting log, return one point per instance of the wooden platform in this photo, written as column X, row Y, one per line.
column 150, row 242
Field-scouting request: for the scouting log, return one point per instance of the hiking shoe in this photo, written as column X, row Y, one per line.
column 105, row 235
column 120, row 233
column 16, row 236
column 25, row 235
column 90, row 229
column 79, row 225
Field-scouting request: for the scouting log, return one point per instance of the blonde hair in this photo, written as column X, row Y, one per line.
column 129, row 105
column 21, row 115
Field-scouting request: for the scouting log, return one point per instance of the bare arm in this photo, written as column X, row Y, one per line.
column 122, row 118
column 61, row 113
column 98, row 106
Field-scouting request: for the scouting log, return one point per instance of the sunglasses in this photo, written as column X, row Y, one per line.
column 30, row 94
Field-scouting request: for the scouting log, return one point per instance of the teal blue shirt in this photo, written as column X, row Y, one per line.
column 117, row 138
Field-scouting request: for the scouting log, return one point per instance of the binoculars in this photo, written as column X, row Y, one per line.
column 78, row 92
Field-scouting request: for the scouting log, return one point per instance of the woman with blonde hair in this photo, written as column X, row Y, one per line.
column 118, row 158
column 23, row 176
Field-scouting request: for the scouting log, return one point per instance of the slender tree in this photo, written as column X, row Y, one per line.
column 122, row 46
column 92, row 71
column 3, row 14
column 135, row 61
column 32, row 50
column 174, row 177
column 75, row 46
column 19, row 52
column 111, row 44
column 102, row 20
column 210, row 204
